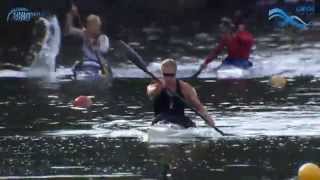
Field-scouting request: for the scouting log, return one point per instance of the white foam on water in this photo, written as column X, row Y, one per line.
column 290, row 63
column 142, row 131
column 268, row 121
column 12, row 73
column 285, row 62
column 100, row 132
column 276, row 123
column 171, row 133
column 69, row 132
column 74, row 176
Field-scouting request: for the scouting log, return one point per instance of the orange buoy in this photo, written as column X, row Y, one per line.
column 309, row 171
column 82, row 102
column 277, row 81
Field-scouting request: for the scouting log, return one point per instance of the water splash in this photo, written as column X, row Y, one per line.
column 43, row 65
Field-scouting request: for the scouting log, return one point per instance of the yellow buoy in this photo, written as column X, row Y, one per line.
column 309, row 171
column 278, row 81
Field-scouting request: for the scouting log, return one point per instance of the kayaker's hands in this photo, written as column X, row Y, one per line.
column 203, row 66
column 154, row 89
column 210, row 122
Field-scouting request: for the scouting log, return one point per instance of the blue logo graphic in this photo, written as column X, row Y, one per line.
column 22, row 14
column 286, row 19
column 307, row 9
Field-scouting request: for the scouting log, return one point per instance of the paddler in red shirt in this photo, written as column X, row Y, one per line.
column 238, row 42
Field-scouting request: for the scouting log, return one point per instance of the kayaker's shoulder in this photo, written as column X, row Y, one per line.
column 185, row 85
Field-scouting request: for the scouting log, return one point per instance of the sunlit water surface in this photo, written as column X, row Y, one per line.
column 274, row 130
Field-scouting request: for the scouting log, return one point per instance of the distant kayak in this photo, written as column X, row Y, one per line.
column 232, row 72
column 92, row 75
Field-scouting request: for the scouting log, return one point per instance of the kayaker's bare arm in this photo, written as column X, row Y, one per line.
column 214, row 53
column 70, row 28
column 191, row 96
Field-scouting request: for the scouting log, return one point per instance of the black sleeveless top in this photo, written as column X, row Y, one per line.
column 165, row 104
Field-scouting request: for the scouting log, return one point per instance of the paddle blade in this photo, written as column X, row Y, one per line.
column 135, row 58
column 132, row 55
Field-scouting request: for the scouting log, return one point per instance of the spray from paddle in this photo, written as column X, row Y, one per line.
column 44, row 62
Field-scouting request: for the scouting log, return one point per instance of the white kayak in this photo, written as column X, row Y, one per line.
column 232, row 72
column 88, row 75
column 173, row 133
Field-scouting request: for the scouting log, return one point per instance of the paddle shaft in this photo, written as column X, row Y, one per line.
column 197, row 73
column 141, row 64
column 103, row 71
